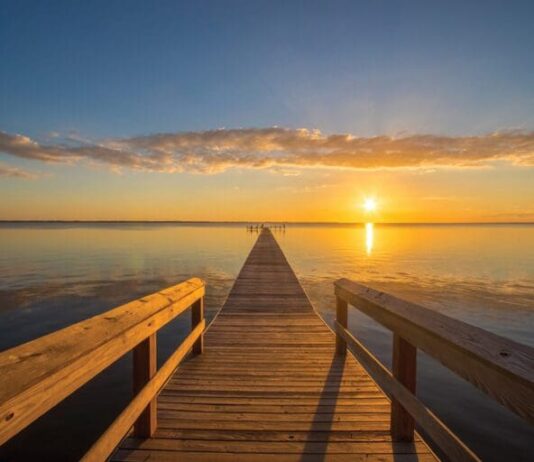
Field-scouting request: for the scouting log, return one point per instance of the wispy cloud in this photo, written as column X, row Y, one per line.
column 14, row 172
column 279, row 149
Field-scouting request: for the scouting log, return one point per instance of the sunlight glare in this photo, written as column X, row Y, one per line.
column 369, row 204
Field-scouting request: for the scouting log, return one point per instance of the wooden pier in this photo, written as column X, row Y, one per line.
column 268, row 380
column 269, row 385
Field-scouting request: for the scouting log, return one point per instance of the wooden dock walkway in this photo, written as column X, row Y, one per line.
column 268, row 380
column 268, row 386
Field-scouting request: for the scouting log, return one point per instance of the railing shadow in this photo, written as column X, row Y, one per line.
column 317, row 448
column 404, row 452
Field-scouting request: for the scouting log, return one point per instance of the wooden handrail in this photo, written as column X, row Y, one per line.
column 109, row 440
column 37, row 375
column 449, row 443
column 498, row 366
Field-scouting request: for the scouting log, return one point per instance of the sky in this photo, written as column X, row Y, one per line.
column 266, row 110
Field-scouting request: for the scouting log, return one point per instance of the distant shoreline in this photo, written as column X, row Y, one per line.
column 289, row 223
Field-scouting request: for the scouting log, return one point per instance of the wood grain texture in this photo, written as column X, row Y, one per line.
column 37, row 375
column 197, row 315
column 269, row 385
column 498, row 366
column 341, row 318
column 107, row 442
column 404, row 368
column 145, row 364
column 447, row 441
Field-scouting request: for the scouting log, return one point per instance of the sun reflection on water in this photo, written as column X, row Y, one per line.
column 369, row 237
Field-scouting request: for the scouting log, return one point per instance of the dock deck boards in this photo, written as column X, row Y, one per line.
column 269, row 387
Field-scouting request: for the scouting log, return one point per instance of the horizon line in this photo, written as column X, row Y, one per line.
column 275, row 222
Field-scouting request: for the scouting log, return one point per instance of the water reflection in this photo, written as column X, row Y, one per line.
column 369, row 237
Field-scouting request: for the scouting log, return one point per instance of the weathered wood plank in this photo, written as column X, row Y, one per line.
column 128, row 455
column 278, row 400
column 370, row 406
column 273, row 425
column 297, row 447
column 217, row 416
column 236, row 435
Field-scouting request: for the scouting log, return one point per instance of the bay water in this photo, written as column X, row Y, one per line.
column 55, row 274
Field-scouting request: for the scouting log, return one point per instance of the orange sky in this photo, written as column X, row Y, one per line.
column 459, row 194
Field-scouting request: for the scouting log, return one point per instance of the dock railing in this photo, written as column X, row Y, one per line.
column 36, row 376
column 500, row 367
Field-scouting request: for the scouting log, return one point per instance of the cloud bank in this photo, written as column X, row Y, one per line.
column 277, row 148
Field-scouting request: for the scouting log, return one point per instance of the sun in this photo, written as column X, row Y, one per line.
column 369, row 204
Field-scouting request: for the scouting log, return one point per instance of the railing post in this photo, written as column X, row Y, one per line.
column 341, row 318
column 197, row 315
column 404, row 368
column 145, row 366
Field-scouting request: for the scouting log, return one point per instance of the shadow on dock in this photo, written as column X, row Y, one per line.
column 328, row 398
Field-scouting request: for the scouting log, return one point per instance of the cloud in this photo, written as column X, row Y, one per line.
column 22, row 146
column 280, row 149
column 14, row 172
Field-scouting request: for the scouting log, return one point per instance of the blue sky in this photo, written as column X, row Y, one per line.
column 426, row 105
column 120, row 68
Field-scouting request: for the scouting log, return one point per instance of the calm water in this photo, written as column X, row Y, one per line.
column 55, row 274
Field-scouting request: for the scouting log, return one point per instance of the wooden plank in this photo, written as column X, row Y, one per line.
column 277, row 400
column 234, row 417
column 274, row 381
column 268, row 388
column 276, row 447
column 287, row 394
column 273, row 425
column 128, row 455
column 370, row 406
column 235, row 435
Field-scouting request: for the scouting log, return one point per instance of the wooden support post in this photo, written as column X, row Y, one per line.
column 404, row 369
column 145, row 366
column 341, row 318
column 197, row 315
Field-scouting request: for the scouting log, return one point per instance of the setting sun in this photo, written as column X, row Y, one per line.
column 369, row 204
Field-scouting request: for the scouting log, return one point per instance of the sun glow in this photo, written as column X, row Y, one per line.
column 369, row 204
